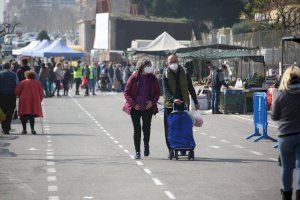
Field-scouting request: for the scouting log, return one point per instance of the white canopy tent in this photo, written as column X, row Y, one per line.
column 30, row 46
column 164, row 42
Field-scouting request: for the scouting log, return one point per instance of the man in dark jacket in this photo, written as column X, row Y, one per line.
column 8, row 83
column 24, row 68
column 86, row 75
column 217, row 80
column 177, row 85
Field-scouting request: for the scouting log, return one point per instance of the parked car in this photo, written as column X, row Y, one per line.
column 18, row 43
column 9, row 38
column 6, row 50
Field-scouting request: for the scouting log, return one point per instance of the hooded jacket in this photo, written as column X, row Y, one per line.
column 286, row 110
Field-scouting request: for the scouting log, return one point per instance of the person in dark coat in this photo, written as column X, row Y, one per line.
column 142, row 94
column 24, row 68
column 67, row 78
column 286, row 111
column 8, row 84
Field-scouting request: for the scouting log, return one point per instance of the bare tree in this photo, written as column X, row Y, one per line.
column 6, row 29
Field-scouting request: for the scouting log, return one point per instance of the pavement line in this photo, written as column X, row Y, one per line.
column 246, row 118
column 131, row 156
column 107, row 134
column 147, row 171
column 49, row 150
column 50, row 153
column 238, row 146
column 49, row 141
column 202, row 133
column 157, row 181
column 121, row 146
column 49, row 145
column 51, row 178
column 50, row 163
column 52, row 188
column 50, row 157
column 48, row 136
column 170, row 195
column 51, row 170
column 98, row 124
column 53, row 198
column 215, row 147
column 256, row 153
column 213, row 137
column 112, row 138
column 139, row 163
column 105, row 131
column 225, row 141
column 274, row 159
column 126, row 151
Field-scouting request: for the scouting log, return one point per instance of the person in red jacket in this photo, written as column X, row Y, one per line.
column 30, row 93
column 141, row 94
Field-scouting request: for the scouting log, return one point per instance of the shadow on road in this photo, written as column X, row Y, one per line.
column 4, row 151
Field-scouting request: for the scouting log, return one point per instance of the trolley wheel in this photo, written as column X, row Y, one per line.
column 171, row 154
column 176, row 154
column 193, row 155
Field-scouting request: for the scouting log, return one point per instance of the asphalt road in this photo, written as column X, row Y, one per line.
column 86, row 152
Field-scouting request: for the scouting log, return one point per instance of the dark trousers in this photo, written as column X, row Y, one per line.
column 146, row 126
column 215, row 100
column 26, row 118
column 66, row 87
column 8, row 105
column 87, row 89
column 77, row 85
column 57, row 88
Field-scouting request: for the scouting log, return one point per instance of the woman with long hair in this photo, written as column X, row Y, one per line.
column 30, row 93
column 141, row 94
column 286, row 110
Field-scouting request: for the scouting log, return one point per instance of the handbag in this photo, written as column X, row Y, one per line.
column 84, row 82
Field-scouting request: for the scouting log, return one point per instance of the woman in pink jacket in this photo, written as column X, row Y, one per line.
column 30, row 93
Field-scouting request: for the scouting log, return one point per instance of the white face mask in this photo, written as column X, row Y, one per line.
column 174, row 66
column 148, row 69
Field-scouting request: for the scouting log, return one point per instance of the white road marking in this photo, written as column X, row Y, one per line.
column 213, row 137
column 126, row 151
column 147, row 171
column 215, row 147
column 105, row 131
column 170, row 195
column 49, row 145
column 139, row 163
column 48, row 136
column 121, row 146
column 256, row 153
column 202, row 133
column 116, row 142
column 238, row 146
column 50, row 163
column 52, row 188
column 51, row 170
column 50, row 157
column 107, row 134
column 111, row 138
column 131, row 156
column 274, row 159
column 32, row 149
column 225, row 141
column 50, row 153
column 249, row 119
column 49, row 150
column 53, row 198
column 98, row 124
column 49, row 141
column 51, row 178
column 157, row 181
column 88, row 197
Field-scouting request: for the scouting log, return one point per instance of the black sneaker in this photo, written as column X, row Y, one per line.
column 138, row 156
column 171, row 154
column 146, row 150
column 33, row 132
column 24, row 132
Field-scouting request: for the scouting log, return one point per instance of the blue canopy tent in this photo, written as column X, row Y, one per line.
column 58, row 49
column 43, row 44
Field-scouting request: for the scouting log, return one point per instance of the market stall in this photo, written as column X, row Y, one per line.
column 31, row 45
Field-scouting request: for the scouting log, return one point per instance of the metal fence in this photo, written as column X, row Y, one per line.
column 268, row 43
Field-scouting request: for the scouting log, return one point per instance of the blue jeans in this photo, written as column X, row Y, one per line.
column 289, row 149
column 45, row 85
column 92, row 84
column 215, row 100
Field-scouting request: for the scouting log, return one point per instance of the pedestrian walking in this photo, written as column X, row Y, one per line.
column 59, row 78
column 117, row 84
column 127, row 73
column 22, row 70
column 217, row 80
column 77, row 76
column 142, row 94
column 111, row 76
column 86, row 75
column 177, row 85
column 8, row 83
column 44, row 77
column 30, row 93
column 67, row 78
column 286, row 110
column 93, row 78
